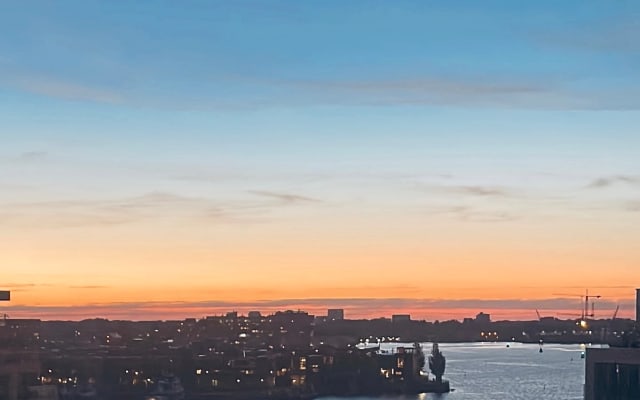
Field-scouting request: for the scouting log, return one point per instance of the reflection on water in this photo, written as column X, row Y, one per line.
column 519, row 372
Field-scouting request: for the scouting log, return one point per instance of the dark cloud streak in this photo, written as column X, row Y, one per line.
column 608, row 181
column 285, row 197
column 383, row 306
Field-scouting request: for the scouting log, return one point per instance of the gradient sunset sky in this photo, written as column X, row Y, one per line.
column 179, row 159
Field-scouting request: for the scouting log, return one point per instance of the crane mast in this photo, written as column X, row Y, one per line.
column 588, row 305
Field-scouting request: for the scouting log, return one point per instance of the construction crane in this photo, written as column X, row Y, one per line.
column 606, row 331
column 585, row 303
column 540, row 317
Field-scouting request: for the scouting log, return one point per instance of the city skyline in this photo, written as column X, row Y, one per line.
column 172, row 158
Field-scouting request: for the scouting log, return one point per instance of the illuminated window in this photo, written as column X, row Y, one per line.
column 303, row 363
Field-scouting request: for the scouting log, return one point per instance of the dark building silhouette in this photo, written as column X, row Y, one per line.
column 400, row 318
column 483, row 318
column 291, row 329
column 335, row 314
column 637, row 305
column 254, row 316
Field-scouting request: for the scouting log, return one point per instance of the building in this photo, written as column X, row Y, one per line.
column 5, row 295
column 17, row 369
column 335, row 314
column 483, row 318
column 637, row 305
column 400, row 318
column 254, row 316
column 612, row 373
column 291, row 329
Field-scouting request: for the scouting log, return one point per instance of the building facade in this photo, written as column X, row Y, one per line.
column 637, row 305
column 612, row 374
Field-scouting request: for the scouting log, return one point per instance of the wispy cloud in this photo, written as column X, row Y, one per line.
column 149, row 206
column 474, row 203
column 424, row 90
column 608, row 34
column 62, row 89
column 541, row 92
column 18, row 285
column 481, row 191
column 450, row 188
column 32, row 156
column 88, row 287
column 80, row 213
column 23, row 287
column 25, row 158
column 474, row 214
column 604, row 182
column 633, row 206
column 287, row 198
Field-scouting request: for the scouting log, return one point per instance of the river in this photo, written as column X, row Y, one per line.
column 487, row 371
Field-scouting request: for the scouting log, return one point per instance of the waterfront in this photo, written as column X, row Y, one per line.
column 486, row 371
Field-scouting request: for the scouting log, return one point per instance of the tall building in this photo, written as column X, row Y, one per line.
column 335, row 314
column 483, row 318
column 637, row 305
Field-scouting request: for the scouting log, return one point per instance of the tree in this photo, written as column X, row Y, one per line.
column 437, row 363
column 419, row 359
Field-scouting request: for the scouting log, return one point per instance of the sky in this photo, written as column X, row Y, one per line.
column 180, row 159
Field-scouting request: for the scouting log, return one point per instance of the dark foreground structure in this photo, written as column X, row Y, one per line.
column 614, row 373
column 292, row 375
column 232, row 357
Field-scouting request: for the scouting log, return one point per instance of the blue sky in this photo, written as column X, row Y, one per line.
column 325, row 115
column 247, row 55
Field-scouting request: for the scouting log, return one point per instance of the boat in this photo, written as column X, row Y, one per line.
column 166, row 387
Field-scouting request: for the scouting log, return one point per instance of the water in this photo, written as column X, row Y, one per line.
column 487, row 371
column 519, row 372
